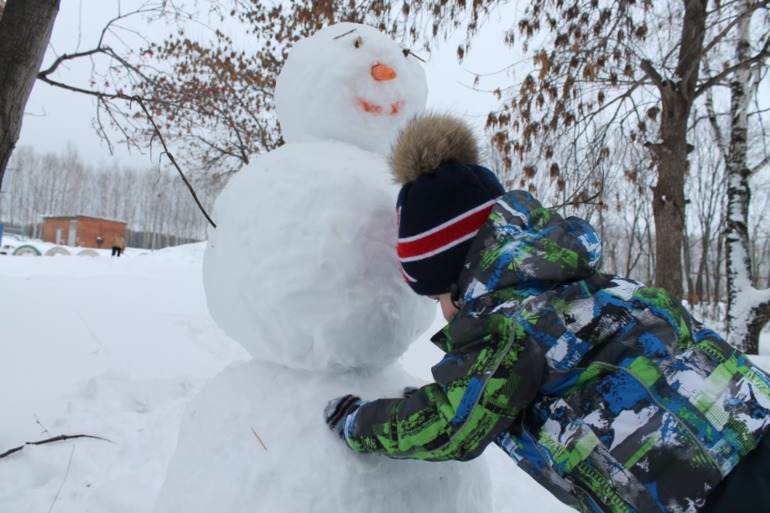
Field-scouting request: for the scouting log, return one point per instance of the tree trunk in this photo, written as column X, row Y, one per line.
column 692, row 296
column 717, row 271
column 25, row 29
column 748, row 310
column 677, row 97
column 668, row 194
column 702, row 286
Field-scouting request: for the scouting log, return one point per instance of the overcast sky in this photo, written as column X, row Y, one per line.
column 54, row 117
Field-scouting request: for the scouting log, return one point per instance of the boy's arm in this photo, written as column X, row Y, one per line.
column 477, row 394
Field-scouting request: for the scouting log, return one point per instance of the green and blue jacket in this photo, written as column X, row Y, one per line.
column 608, row 393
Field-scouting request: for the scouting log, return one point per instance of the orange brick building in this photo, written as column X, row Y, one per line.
column 82, row 231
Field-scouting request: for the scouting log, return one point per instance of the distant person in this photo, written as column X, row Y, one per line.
column 118, row 245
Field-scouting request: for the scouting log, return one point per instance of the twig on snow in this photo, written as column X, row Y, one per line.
column 45, row 431
column 66, row 474
column 51, row 440
column 258, row 438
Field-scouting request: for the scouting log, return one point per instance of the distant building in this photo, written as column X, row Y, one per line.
column 82, row 231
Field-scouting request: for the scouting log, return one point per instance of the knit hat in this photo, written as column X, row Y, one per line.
column 445, row 198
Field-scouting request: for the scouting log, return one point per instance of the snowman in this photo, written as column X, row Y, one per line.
column 302, row 271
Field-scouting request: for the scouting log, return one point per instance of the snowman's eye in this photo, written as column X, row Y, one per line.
column 359, row 42
column 406, row 51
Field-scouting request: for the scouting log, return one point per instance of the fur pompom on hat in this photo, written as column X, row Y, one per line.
column 445, row 198
column 428, row 141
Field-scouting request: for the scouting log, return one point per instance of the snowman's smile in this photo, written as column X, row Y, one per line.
column 381, row 72
column 377, row 109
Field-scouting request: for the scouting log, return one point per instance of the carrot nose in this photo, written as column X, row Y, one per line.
column 383, row 72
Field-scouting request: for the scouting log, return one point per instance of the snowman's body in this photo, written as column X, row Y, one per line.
column 302, row 271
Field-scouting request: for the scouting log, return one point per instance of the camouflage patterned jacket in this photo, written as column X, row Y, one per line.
column 607, row 392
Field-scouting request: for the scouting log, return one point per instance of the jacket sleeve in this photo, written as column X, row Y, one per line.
column 478, row 391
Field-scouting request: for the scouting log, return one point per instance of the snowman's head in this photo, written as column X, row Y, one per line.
column 351, row 83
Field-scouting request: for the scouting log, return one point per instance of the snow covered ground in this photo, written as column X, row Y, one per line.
column 111, row 347
column 115, row 348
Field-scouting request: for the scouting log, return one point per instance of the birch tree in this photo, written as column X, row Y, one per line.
column 748, row 309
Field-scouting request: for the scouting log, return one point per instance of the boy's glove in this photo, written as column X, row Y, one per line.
column 337, row 410
column 409, row 392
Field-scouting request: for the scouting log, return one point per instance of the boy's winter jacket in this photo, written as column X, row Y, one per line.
column 607, row 392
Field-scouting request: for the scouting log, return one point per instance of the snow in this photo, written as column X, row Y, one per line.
column 111, row 347
column 118, row 348
column 747, row 297
column 11, row 242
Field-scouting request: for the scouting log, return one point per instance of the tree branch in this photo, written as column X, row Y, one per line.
column 173, row 160
column 52, row 440
column 104, row 50
column 646, row 66
column 66, row 57
column 755, row 169
column 218, row 149
column 727, row 28
column 587, row 201
column 712, row 117
column 763, row 54
column 761, row 298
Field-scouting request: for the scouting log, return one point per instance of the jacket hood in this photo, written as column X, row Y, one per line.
column 531, row 248
column 428, row 141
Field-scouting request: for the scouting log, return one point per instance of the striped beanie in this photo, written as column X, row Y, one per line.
column 444, row 200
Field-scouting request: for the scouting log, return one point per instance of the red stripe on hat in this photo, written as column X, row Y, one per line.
column 444, row 236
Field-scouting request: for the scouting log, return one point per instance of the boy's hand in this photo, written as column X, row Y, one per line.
column 337, row 410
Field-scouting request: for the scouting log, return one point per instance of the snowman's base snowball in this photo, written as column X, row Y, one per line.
column 220, row 464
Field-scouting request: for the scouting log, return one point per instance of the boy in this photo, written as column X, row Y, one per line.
column 607, row 392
